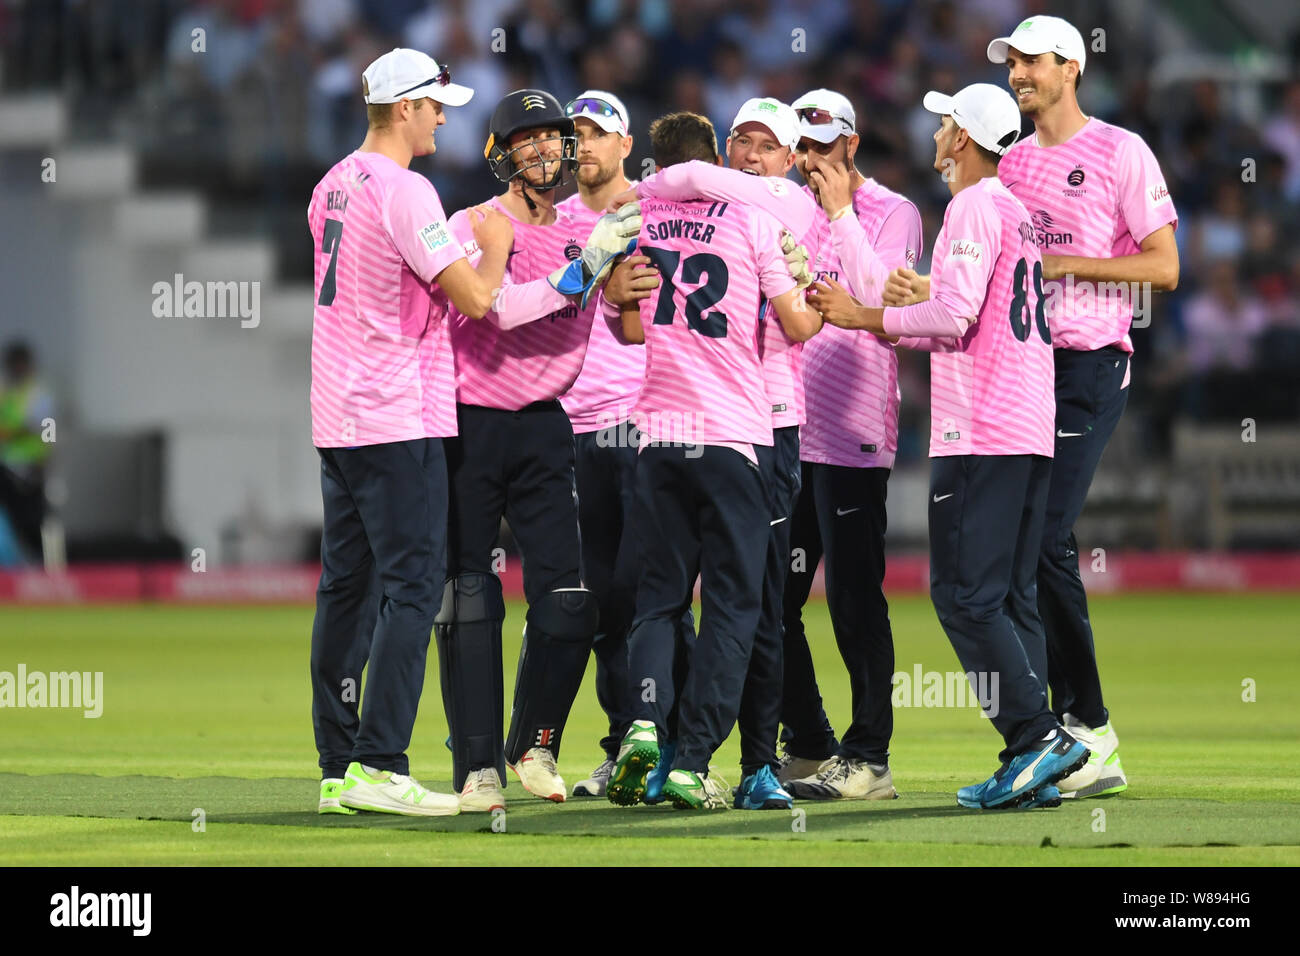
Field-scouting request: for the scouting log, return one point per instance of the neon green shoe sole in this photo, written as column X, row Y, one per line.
column 1110, row 782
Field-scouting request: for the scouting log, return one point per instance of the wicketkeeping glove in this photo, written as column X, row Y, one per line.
column 796, row 260
column 614, row 235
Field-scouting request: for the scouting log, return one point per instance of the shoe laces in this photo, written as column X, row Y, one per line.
column 838, row 771
column 545, row 758
column 481, row 779
column 605, row 770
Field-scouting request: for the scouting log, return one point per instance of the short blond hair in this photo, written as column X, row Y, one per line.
column 380, row 115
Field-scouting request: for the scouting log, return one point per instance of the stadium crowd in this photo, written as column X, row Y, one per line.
column 252, row 99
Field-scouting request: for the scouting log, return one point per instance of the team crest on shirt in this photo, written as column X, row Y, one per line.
column 573, row 251
column 1074, row 179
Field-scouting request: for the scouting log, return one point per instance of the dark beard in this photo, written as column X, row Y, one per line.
column 604, row 176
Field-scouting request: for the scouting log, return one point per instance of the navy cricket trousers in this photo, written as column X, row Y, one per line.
column 1089, row 402
column 760, row 704
column 986, row 522
column 841, row 517
column 385, row 521
column 605, row 470
column 702, row 511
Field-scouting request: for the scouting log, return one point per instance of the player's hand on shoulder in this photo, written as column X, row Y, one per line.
column 633, row 279
column 905, row 287
column 492, row 228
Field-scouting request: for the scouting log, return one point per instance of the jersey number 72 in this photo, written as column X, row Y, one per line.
column 701, row 265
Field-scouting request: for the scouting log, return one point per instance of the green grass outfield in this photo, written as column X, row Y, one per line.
column 209, row 709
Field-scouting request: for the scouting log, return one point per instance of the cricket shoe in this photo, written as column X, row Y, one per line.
column 482, row 792
column 689, row 791
column 843, row 779
column 1017, row 783
column 596, row 784
column 1046, row 796
column 655, row 779
column 383, row 791
column 1102, row 774
column 330, row 788
column 760, row 791
column 637, row 756
column 796, row 768
column 537, row 772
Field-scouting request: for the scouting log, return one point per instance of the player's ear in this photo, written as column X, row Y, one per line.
column 627, row 145
column 851, row 147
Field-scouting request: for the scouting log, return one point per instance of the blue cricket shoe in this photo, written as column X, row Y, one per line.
column 760, row 791
column 658, row 775
column 1026, row 781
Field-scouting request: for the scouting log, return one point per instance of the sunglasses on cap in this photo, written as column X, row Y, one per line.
column 816, row 117
column 590, row 105
column 442, row 79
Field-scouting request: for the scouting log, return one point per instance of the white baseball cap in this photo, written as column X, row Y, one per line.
column 402, row 74
column 779, row 118
column 986, row 112
column 825, row 116
column 1041, row 35
column 604, row 109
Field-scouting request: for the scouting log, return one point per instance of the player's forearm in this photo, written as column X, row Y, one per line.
column 928, row 344
column 631, row 331
column 924, row 319
column 1155, row 267
column 517, row 305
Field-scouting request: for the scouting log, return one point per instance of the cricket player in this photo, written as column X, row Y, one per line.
column 599, row 405
column 864, row 231
column 514, row 456
column 992, row 408
column 760, row 147
column 382, row 401
column 1105, row 221
column 704, row 504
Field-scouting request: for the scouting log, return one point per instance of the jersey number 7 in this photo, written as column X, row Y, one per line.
column 329, row 242
column 701, row 265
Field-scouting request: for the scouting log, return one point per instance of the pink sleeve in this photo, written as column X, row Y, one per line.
column 965, row 254
column 418, row 227
column 773, row 277
column 519, row 304
column 773, row 194
column 1144, row 200
column 926, row 344
column 928, row 318
column 516, row 304
column 867, row 267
